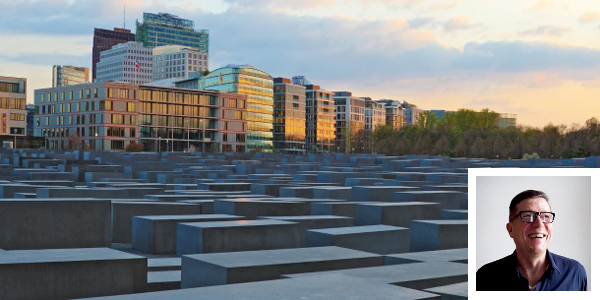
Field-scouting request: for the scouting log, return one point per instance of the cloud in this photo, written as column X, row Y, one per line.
column 443, row 6
column 548, row 30
column 589, row 17
column 542, row 4
column 288, row 4
column 550, row 4
column 420, row 22
column 460, row 23
column 49, row 59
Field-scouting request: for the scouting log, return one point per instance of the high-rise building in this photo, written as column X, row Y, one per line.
column 112, row 115
column 69, row 75
column 232, row 123
column 350, row 120
column 258, row 88
column 507, row 120
column 394, row 113
column 289, row 128
column 320, row 117
column 13, row 110
column 178, row 62
column 128, row 62
column 104, row 39
column 166, row 29
column 374, row 114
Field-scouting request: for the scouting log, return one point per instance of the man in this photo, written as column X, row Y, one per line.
column 531, row 267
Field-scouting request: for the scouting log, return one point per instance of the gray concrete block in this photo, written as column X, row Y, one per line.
column 164, row 280
column 235, row 267
column 230, row 236
column 379, row 239
column 460, row 255
column 333, row 192
column 396, row 214
column 438, row 235
column 457, row 291
column 347, row 209
column 158, row 234
column 455, row 214
column 231, row 186
column 54, row 223
column 448, row 199
column 377, row 193
column 123, row 213
column 296, row 191
column 70, row 273
column 164, row 264
column 315, row 222
column 251, row 208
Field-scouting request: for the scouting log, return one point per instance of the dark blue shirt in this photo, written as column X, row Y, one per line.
column 563, row 274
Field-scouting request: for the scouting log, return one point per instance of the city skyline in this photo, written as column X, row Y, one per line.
column 538, row 59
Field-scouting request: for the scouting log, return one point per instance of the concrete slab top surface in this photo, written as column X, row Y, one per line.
column 146, row 201
column 443, row 222
column 438, row 255
column 398, row 273
column 241, row 223
column 191, row 217
column 280, row 256
column 311, row 217
column 164, row 276
column 398, row 203
column 52, row 199
column 457, row 289
column 164, row 262
column 63, row 255
column 430, row 192
column 335, row 286
column 358, row 229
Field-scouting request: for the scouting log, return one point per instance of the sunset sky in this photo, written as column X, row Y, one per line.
column 539, row 59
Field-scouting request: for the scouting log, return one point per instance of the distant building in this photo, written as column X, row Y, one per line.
column 30, row 117
column 411, row 113
column 289, row 128
column 350, row 119
column 374, row 114
column 394, row 113
column 506, row 120
column 129, row 62
column 105, row 39
column 439, row 113
column 178, row 62
column 258, row 88
column 69, row 75
column 166, row 29
column 13, row 111
column 232, row 123
column 320, row 117
column 112, row 115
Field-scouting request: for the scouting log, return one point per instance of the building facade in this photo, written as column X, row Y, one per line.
column 13, row 110
column 178, row 62
column 257, row 86
column 105, row 39
column 507, row 120
column 69, row 75
column 232, row 123
column 394, row 113
column 129, row 62
column 289, row 124
column 374, row 114
column 411, row 113
column 112, row 115
column 166, row 29
column 320, row 117
column 349, row 121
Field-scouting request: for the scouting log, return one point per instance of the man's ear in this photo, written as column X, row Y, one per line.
column 509, row 229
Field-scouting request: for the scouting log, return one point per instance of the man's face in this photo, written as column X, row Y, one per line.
column 526, row 235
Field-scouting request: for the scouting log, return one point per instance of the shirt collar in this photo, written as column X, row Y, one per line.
column 552, row 263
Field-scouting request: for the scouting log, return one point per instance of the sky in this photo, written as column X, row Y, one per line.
column 539, row 59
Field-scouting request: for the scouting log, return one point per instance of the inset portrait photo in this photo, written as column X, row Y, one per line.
column 532, row 229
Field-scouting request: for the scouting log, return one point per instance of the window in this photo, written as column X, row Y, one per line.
column 130, row 106
column 17, row 117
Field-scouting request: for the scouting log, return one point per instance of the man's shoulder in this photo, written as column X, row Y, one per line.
column 563, row 263
column 497, row 265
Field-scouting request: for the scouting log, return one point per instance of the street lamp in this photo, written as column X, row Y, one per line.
column 95, row 140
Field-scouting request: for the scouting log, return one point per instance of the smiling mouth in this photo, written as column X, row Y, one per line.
column 536, row 236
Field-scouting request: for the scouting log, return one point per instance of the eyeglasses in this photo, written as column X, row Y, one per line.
column 529, row 216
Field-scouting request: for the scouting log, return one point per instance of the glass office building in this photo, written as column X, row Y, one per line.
column 166, row 29
column 258, row 88
column 289, row 134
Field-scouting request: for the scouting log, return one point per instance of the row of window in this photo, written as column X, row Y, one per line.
column 12, row 103
column 9, row 87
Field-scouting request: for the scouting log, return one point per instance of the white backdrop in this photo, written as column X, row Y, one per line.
column 570, row 199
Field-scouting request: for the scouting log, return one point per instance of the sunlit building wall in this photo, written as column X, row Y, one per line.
column 119, row 64
column 374, row 114
column 289, row 127
column 258, row 88
column 69, row 75
column 178, row 62
column 13, row 110
column 232, row 123
column 320, row 117
column 349, row 117
column 394, row 113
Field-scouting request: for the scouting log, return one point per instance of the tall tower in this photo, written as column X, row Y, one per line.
column 104, row 39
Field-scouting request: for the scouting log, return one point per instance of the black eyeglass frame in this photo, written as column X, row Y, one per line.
column 536, row 213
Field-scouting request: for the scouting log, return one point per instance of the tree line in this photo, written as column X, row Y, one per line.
column 469, row 133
